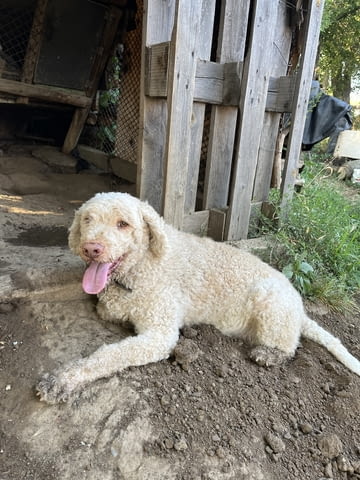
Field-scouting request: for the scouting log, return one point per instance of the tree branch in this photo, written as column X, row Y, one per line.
column 347, row 13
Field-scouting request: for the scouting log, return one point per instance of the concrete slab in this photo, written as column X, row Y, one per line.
column 348, row 144
column 56, row 159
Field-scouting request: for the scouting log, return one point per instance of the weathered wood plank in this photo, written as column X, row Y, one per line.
column 196, row 222
column 257, row 68
column 44, row 92
column 216, row 227
column 209, row 82
column 103, row 51
column 231, row 48
column 280, row 94
column 277, row 90
column 215, row 83
column 301, row 100
column 112, row 20
column 232, row 83
column 34, row 42
column 158, row 24
column 156, row 69
column 74, row 130
column 202, row 52
column 182, row 68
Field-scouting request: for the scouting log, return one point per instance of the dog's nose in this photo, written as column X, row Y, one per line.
column 92, row 249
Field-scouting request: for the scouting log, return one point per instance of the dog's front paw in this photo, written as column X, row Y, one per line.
column 52, row 390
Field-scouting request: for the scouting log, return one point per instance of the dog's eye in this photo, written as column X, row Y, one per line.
column 122, row 224
column 87, row 219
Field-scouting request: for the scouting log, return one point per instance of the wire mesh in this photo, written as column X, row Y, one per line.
column 115, row 126
column 15, row 26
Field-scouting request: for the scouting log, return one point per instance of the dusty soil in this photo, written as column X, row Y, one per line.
column 205, row 413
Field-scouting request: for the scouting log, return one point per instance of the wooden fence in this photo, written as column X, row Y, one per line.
column 219, row 74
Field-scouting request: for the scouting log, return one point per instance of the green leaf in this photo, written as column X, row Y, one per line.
column 288, row 271
column 306, row 268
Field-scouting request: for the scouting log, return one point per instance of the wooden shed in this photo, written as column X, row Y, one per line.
column 196, row 92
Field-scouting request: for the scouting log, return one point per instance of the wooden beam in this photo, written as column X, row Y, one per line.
column 255, row 80
column 156, row 69
column 44, row 92
column 215, row 83
column 216, row 227
column 102, row 55
column 231, row 48
column 300, row 105
column 196, row 223
column 182, row 68
column 280, row 52
column 34, row 42
column 103, row 51
column 158, row 24
column 203, row 51
column 73, row 133
column 232, row 83
column 209, row 82
column 280, row 94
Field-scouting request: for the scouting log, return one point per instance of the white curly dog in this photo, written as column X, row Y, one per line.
column 161, row 279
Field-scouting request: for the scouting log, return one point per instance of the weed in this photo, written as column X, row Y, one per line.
column 318, row 246
column 300, row 273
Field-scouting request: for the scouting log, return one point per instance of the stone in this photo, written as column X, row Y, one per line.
column 330, row 445
column 275, row 443
column 180, row 444
column 186, row 352
column 305, row 427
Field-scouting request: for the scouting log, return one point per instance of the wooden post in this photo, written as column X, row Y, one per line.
column 157, row 27
column 267, row 151
column 181, row 86
column 301, row 99
column 33, row 47
column 255, row 82
column 203, row 51
column 74, row 131
column 231, row 47
column 102, row 55
column 34, row 43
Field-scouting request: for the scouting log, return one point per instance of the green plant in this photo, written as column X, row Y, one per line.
column 318, row 246
column 300, row 273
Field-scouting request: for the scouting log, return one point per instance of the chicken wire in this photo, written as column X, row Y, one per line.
column 15, row 26
column 115, row 126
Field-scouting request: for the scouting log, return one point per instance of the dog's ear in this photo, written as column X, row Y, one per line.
column 158, row 239
column 74, row 233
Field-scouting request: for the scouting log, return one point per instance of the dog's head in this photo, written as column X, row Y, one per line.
column 113, row 232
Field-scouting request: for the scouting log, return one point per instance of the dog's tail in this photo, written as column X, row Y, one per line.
column 313, row 331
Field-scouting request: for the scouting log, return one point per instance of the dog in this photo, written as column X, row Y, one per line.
column 161, row 279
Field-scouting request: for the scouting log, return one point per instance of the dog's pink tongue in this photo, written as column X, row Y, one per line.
column 95, row 277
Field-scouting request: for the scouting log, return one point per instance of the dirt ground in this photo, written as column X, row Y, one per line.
column 206, row 413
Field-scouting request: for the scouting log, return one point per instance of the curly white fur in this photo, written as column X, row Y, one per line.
column 173, row 279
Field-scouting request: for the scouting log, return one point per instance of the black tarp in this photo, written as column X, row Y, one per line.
column 327, row 117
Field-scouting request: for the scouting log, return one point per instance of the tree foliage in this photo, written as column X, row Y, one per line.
column 339, row 59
